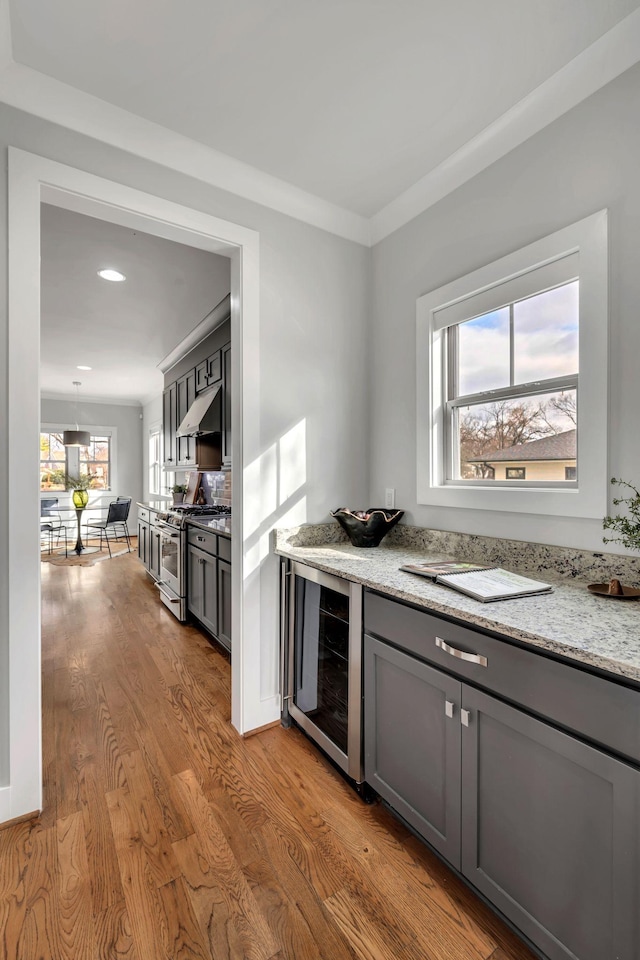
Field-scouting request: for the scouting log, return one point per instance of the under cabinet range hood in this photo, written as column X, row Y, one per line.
column 203, row 416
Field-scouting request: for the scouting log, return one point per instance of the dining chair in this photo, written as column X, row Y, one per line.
column 51, row 522
column 115, row 524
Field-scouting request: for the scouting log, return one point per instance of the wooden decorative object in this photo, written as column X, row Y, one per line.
column 193, row 486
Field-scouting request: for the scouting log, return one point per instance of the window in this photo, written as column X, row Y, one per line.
column 58, row 462
column 53, row 464
column 96, row 460
column 512, row 380
column 155, row 460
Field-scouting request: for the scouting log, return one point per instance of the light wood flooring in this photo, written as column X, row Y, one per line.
column 164, row 834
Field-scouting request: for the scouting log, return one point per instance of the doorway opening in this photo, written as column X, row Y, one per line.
column 32, row 181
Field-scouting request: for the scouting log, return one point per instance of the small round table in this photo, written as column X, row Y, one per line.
column 80, row 547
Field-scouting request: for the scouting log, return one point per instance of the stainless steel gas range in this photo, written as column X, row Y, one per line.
column 172, row 527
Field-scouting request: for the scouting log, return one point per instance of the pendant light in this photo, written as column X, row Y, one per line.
column 77, row 437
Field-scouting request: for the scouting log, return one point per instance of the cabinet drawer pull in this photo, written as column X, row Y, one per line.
column 461, row 654
column 465, row 717
column 200, row 539
column 449, row 707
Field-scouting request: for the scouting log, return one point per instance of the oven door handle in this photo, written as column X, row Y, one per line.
column 159, row 585
column 168, row 531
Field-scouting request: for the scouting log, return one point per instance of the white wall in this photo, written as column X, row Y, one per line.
column 585, row 161
column 313, row 317
column 127, row 480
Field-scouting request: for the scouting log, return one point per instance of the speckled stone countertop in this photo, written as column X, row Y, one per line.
column 221, row 525
column 569, row 622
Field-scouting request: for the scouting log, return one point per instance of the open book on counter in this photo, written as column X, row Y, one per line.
column 481, row 582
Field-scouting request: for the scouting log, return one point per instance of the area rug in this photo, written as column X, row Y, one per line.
column 88, row 559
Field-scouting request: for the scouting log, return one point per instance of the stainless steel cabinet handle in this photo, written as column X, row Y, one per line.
column 465, row 717
column 449, row 707
column 461, row 654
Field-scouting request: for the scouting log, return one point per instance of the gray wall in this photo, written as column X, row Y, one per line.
column 128, row 447
column 585, row 161
column 314, row 291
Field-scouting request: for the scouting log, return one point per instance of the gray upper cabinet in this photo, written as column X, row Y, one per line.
column 208, row 372
column 170, row 425
column 226, row 405
column 212, row 451
column 544, row 823
column 186, row 394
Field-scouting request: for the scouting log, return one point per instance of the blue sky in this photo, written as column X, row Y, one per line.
column 545, row 335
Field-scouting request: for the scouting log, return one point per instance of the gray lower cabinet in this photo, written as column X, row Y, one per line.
column 412, row 745
column 153, row 559
column 143, row 542
column 202, row 587
column 549, row 832
column 224, row 603
column 209, row 581
column 544, row 825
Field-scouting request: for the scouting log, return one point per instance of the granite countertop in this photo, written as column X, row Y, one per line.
column 220, row 525
column 158, row 506
column 570, row 621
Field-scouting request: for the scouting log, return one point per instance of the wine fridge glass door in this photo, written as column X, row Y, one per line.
column 325, row 664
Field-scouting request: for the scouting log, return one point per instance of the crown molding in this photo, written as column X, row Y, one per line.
column 220, row 313
column 610, row 55
column 101, row 401
column 27, row 89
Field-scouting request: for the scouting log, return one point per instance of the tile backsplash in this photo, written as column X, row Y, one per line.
column 216, row 486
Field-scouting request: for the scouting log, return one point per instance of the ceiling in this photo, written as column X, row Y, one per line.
column 353, row 101
column 121, row 330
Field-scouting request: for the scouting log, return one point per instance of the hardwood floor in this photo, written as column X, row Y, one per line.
column 164, row 834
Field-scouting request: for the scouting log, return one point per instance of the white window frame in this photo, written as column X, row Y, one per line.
column 95, row 431
column 435, row 311
column 156, row 465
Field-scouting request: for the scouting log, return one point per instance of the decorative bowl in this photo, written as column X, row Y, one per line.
column 366, row 528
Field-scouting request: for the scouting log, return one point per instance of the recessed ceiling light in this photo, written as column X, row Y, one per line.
column 82, row 367
column 114, row 275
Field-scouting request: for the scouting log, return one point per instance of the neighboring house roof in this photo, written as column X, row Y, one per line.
column 560, row 446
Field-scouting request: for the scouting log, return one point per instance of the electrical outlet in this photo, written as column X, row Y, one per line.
column 390, row 498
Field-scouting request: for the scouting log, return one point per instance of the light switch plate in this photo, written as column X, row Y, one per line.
column 390, row 498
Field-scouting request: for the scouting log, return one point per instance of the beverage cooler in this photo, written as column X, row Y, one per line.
column 322, row 662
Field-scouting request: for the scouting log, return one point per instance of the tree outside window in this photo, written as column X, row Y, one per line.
column 58, row 463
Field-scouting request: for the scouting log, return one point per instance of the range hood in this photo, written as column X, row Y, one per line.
column 203, row 416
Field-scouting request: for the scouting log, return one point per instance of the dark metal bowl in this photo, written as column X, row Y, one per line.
column 366, row 528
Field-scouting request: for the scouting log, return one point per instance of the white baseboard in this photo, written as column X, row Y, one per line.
column 5, row 804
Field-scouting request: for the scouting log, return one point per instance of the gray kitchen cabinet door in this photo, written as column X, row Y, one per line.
column 412, row 743
column 224, row 603
column 550, row 832
column 202, row 587
column 154, row 552
column 226, row 406
column 143, row 542
column 195, row 581
column 169, row 424
column 186, row 394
